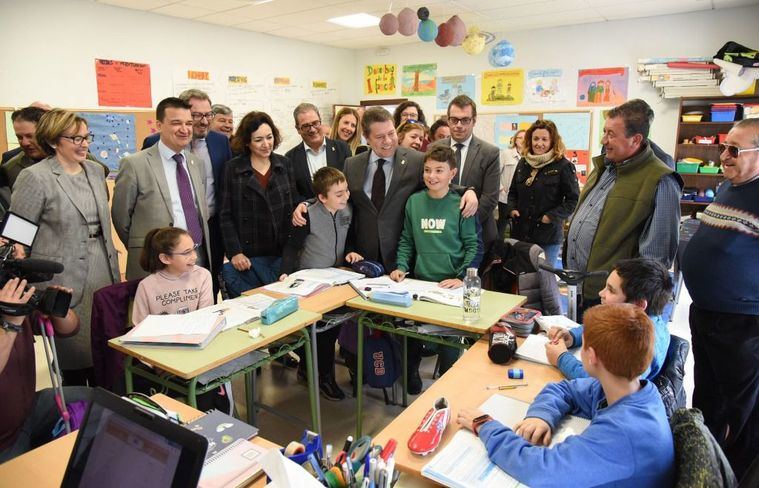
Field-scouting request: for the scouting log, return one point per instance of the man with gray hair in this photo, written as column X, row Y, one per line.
column 213, row 148
column 316, row 151
column 223, row 121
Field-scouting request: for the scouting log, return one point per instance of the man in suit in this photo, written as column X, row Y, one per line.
column 478, row 163
column 317, row 151
column 214, row 150
column 29, row 152
column 7, row 155
column 164, row 185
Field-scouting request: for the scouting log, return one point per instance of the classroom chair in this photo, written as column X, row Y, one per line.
column 669, row 381
column 699, row 461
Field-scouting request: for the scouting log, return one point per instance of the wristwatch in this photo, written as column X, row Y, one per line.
column 10, row 327
column 478, row 421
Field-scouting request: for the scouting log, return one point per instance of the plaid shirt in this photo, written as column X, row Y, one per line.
column 255, row 221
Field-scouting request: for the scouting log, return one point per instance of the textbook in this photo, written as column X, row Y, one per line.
column 425, row 291
column 464, row 462
column 221, row 430
column 307, row 282
column 233, row 466
column 534, row 349
column 192, row 329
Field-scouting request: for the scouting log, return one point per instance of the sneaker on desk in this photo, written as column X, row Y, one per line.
column 427, row 436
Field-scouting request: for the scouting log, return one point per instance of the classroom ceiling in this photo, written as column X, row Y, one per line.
column 306, row 20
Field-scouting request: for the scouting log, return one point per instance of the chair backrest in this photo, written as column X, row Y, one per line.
column 111, row 311
column 699, row 461
column 669, row 381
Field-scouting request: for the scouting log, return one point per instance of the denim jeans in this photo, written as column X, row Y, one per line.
column 552, row 254
column 263, row 270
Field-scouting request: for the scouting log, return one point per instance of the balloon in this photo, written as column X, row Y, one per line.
column 388, row 24
column 502, row 54
column 444, row 35
column 407, row 22
column 423, row 13
column 458, row 29
column 474, row 43
column 427, row 30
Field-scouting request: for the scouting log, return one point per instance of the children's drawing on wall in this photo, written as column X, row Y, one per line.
column 503, row 87
column 379, row 79
column 114, row 136
column 506, row 125
column 575, row 128
column 547, row 86
column 449, row 87
column 602, row 86
column 418, row 80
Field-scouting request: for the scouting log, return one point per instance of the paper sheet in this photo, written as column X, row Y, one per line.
column 534, row 349
column 184, row 324
column 285, row 473
column 241, row 310
column 547, row 321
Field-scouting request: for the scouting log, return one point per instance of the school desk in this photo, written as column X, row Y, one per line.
column 44, row 467
column 493, row 305
column 186, row 364
column 323, row 302
column 464, row 385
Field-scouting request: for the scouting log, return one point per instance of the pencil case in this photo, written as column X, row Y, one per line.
column 279, row 310
column 392, row 298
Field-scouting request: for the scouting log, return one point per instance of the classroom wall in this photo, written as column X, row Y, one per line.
column 50, row 47
column 598, row 45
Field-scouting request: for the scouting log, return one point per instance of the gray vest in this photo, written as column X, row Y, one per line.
column 325, row 244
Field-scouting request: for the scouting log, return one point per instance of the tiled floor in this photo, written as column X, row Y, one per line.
column 279, row 388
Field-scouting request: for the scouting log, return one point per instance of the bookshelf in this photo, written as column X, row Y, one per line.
column 705, row 152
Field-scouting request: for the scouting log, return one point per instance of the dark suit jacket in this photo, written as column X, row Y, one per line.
column 218, row 149
column 377, row 233
column 482, row 171
column 337, row 153
column 7, row 155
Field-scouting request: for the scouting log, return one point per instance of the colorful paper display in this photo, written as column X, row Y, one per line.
column 123, row 84
column 379, row 79
column 502, row 87
column 114, row 136
column 602, row 87
column 419, row 80
column 449, row 87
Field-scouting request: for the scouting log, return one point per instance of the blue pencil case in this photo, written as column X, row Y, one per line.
column 279, row 310
column 403, row 299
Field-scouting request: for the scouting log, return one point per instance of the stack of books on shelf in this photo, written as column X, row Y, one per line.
column 681, row 77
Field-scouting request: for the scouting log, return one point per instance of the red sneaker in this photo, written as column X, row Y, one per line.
column 427, row 436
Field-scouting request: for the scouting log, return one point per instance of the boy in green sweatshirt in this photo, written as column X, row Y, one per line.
column 438, row 240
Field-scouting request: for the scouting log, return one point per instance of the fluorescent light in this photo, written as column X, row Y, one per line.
column 356, row 21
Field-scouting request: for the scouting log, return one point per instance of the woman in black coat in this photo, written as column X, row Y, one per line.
column 544, row 190
column 258, row 197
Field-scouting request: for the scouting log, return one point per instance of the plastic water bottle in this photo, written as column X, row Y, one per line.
column 472, row 292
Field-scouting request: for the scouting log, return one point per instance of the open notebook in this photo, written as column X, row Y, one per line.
column 464, row 462
column 534, row 349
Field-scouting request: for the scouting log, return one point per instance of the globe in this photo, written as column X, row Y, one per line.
column 502, row 54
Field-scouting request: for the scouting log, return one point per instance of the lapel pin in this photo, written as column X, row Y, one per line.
column 403, row 161
column 333, row 148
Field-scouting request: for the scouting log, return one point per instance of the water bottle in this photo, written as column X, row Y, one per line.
column 472, row 292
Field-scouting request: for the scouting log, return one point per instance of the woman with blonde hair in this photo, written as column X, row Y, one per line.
column 66, row 196
column 544, row 191
column 347, row 128
column 412, row 135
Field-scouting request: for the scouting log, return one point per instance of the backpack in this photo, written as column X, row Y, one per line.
column 382, row 360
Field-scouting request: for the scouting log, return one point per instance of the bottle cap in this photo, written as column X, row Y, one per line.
column 471, row 272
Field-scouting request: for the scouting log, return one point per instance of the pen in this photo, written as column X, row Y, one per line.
column 328, row 459
column 389, row 449
column 504, row 387
column 389, row 472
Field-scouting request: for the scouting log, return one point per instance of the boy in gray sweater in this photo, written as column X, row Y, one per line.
column 321, row 244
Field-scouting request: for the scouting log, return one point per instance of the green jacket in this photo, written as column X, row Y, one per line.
column 436, row 238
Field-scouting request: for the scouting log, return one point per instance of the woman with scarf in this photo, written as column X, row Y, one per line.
column 544, row 190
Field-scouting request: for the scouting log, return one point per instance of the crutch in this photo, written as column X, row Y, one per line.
column 48, row 341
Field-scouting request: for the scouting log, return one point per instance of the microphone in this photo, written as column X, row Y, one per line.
column 34, row 270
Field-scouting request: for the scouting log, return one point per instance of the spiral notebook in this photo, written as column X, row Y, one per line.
column 221, row 430
column 233, row 466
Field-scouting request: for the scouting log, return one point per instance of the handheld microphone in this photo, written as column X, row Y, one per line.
column 32, row 269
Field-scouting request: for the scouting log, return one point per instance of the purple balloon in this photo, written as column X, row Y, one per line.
column 458, row 29
column 407, row 22
column 388, row 24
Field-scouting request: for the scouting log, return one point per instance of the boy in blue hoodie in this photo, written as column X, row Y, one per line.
column 628, row 442
column 642, row 282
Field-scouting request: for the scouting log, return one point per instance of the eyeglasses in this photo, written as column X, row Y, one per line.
column 735, row 151
column 79, row 140
column 197, row 116
column 410, row 115
column 308, row 127
column 462, row 121
column 187, row 253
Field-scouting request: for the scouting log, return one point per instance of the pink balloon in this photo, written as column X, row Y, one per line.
column 388, row 24
column 407, row 22
column 458, row 29
column 444, row 35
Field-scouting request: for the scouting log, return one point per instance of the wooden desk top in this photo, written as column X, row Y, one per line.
column 323, row 302
column 493, row 306
column 463, row 386
column 44, row 467
column 188, row 363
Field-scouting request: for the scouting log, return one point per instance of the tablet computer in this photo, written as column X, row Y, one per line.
column 123, row 444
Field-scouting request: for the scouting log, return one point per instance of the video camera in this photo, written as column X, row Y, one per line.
column 49, row 301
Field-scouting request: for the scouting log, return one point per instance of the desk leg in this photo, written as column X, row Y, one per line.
column 192, row 397
column 313, row 385
column 404, row 365
column 250, row 395
column 359, row 379
column 128, row 380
